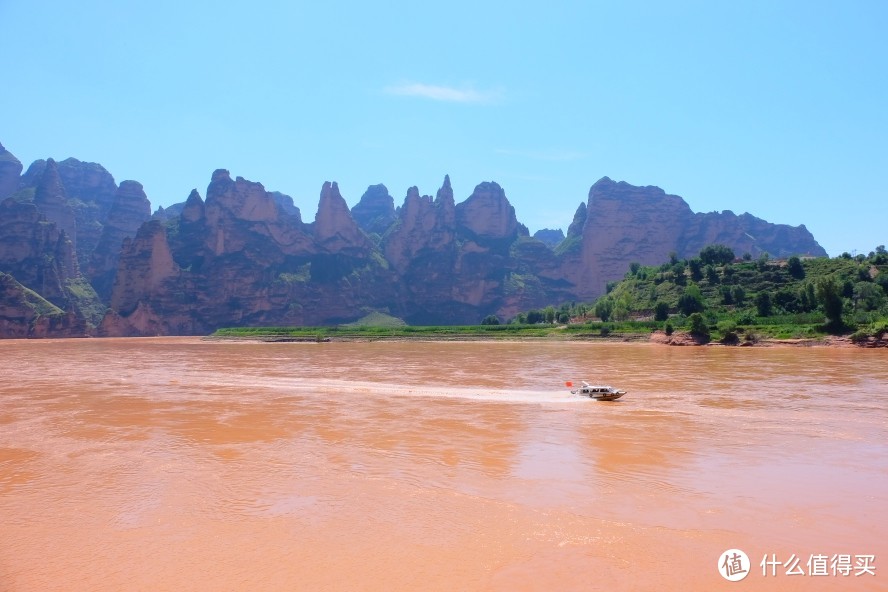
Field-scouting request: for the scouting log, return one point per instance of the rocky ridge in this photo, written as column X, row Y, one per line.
column 244, row 256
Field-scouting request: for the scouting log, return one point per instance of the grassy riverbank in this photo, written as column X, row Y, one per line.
column 629, row 331
column 811, row 334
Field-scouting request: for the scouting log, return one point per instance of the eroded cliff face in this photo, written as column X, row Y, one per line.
column 10, row 172
column 239, row 259
column 89, row 192
column 244, row 256
column 130, row 210
column 622, row 223
column 34, row 251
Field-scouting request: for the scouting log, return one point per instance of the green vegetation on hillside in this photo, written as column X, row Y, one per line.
column 83, row 298
column 718, row 296
column 15, row 295
column 712, row 296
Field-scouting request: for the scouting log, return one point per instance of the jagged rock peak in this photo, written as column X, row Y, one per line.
column 487, row 212
column 50, row 188
column 375, row 212
column 334, row 226
column 445, row 194
column 221, row 174
column 194, row 208
column 332, row 205
column 579, row 219
column 413, row 193
column 10, row 172
column 193, row 198
column 242, row 199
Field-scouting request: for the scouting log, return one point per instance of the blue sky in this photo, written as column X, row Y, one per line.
column 775, row 108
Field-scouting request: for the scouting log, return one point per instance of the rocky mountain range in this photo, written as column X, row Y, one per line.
column 82, row 255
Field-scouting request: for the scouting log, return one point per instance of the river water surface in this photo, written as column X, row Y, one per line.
column 181, row 464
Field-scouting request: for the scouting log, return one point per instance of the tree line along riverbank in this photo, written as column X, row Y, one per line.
column 713, row 298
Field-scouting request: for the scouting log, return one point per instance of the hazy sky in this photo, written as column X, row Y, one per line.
column 775, row 108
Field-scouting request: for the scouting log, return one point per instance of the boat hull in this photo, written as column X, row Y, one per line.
column 612, row 397
column 598, row 393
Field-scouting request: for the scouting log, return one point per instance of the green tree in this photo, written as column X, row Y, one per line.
column 787, row 300
column 490, row 320
column 882, row 280
column 696, row 267
column 603, row 308
column 795, row 268
column 762, row 262
column 868, row 296
column 829, row 295
column 763, row 304
column 661, row 311
column 711, row 275
column 739, row 295
column 699, row 328
column 549, row 314
column 534, row 317
column 691, row 300
column 716, row 255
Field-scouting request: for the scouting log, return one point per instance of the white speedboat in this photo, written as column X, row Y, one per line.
column 599, row 392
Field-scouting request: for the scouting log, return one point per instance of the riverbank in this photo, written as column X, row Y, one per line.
column 442, row 334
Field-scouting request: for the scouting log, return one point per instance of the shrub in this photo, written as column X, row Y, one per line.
column 661, row 311
column 860, row 336
column 669, row 329
column 730, row 338
column 746, row 318
column 699, row 328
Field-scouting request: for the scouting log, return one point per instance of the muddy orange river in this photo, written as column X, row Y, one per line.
column 181, row 464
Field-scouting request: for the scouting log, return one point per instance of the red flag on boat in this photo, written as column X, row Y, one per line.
column 568, row 384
